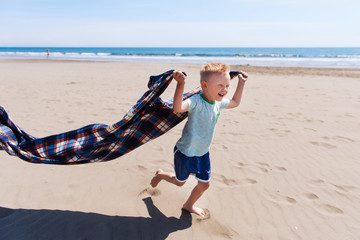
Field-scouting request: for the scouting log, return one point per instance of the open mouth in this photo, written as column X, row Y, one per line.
column 221, row 95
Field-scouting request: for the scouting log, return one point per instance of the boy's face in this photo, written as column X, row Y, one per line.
column 216, row 86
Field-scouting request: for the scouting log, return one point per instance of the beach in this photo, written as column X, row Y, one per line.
column 285, row 163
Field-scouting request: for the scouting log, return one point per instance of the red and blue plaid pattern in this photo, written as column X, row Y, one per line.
column 149, row 118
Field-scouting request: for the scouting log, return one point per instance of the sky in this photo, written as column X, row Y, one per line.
column 185, row 23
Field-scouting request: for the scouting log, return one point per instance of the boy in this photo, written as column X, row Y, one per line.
column 191, row 153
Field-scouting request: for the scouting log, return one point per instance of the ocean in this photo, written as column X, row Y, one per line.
column 291, row 57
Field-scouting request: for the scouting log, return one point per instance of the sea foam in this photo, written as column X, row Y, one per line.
column 294, row 57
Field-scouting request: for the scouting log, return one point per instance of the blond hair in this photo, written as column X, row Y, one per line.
column 211, row 68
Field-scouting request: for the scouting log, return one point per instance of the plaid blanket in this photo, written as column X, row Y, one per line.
column 148, row 119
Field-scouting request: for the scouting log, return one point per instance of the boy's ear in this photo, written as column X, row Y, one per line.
column 203, row 84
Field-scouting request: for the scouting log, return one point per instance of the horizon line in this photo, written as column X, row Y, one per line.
column 172, row 47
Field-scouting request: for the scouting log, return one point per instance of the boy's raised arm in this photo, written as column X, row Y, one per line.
column 235, row 101
column 179, row 105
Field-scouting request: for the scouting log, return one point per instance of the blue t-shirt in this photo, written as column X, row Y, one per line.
column 200, row 128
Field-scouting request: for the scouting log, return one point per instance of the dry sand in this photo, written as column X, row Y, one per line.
column 285, row 164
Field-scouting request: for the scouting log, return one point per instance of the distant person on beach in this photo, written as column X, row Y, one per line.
column 48, row 53
column 191, row 152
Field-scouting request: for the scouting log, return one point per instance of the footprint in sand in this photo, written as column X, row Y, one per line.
column 311, row 196
column 141, row 167
column 344, row 188
column 281, row 169
column 158, row 148
column 329, row 209
column 263, row 164
column 248, row 181
column 72, row 83
column 240, row 164
column 227, row 181
column 207, row 215
column 234, row 182
column 341, row 188
column 248, row 113
column 150, row 191
column 216, row 229
column 323, row 144
column 263, row 169
column 278, row 198
column 317, row 182
column 235, row 134
column 224, row 147
column 339, row 138
column 280, row 133
column 349, row 115
column 344, row 139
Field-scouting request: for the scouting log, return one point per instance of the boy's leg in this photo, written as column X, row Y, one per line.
column 196, row 193
column 169, row 177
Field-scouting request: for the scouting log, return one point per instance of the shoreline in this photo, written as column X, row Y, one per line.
column 312, row 62
column 279, row 70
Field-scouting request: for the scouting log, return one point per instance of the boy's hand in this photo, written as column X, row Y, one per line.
column 179, row 76
column 179, row 105
column 235, row 101
column 243, row 76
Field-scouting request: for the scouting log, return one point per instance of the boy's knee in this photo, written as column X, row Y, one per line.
column 177, row 183
column 204, row 185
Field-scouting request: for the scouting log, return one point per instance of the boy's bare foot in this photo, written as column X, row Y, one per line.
column 156, row 179
column 198, row 211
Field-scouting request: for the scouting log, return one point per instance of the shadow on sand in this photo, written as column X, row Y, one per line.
column 58, row 224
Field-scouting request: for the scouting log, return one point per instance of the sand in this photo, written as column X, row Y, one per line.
column 285, row 163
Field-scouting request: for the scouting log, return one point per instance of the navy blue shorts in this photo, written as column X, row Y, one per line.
column 184, row 166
